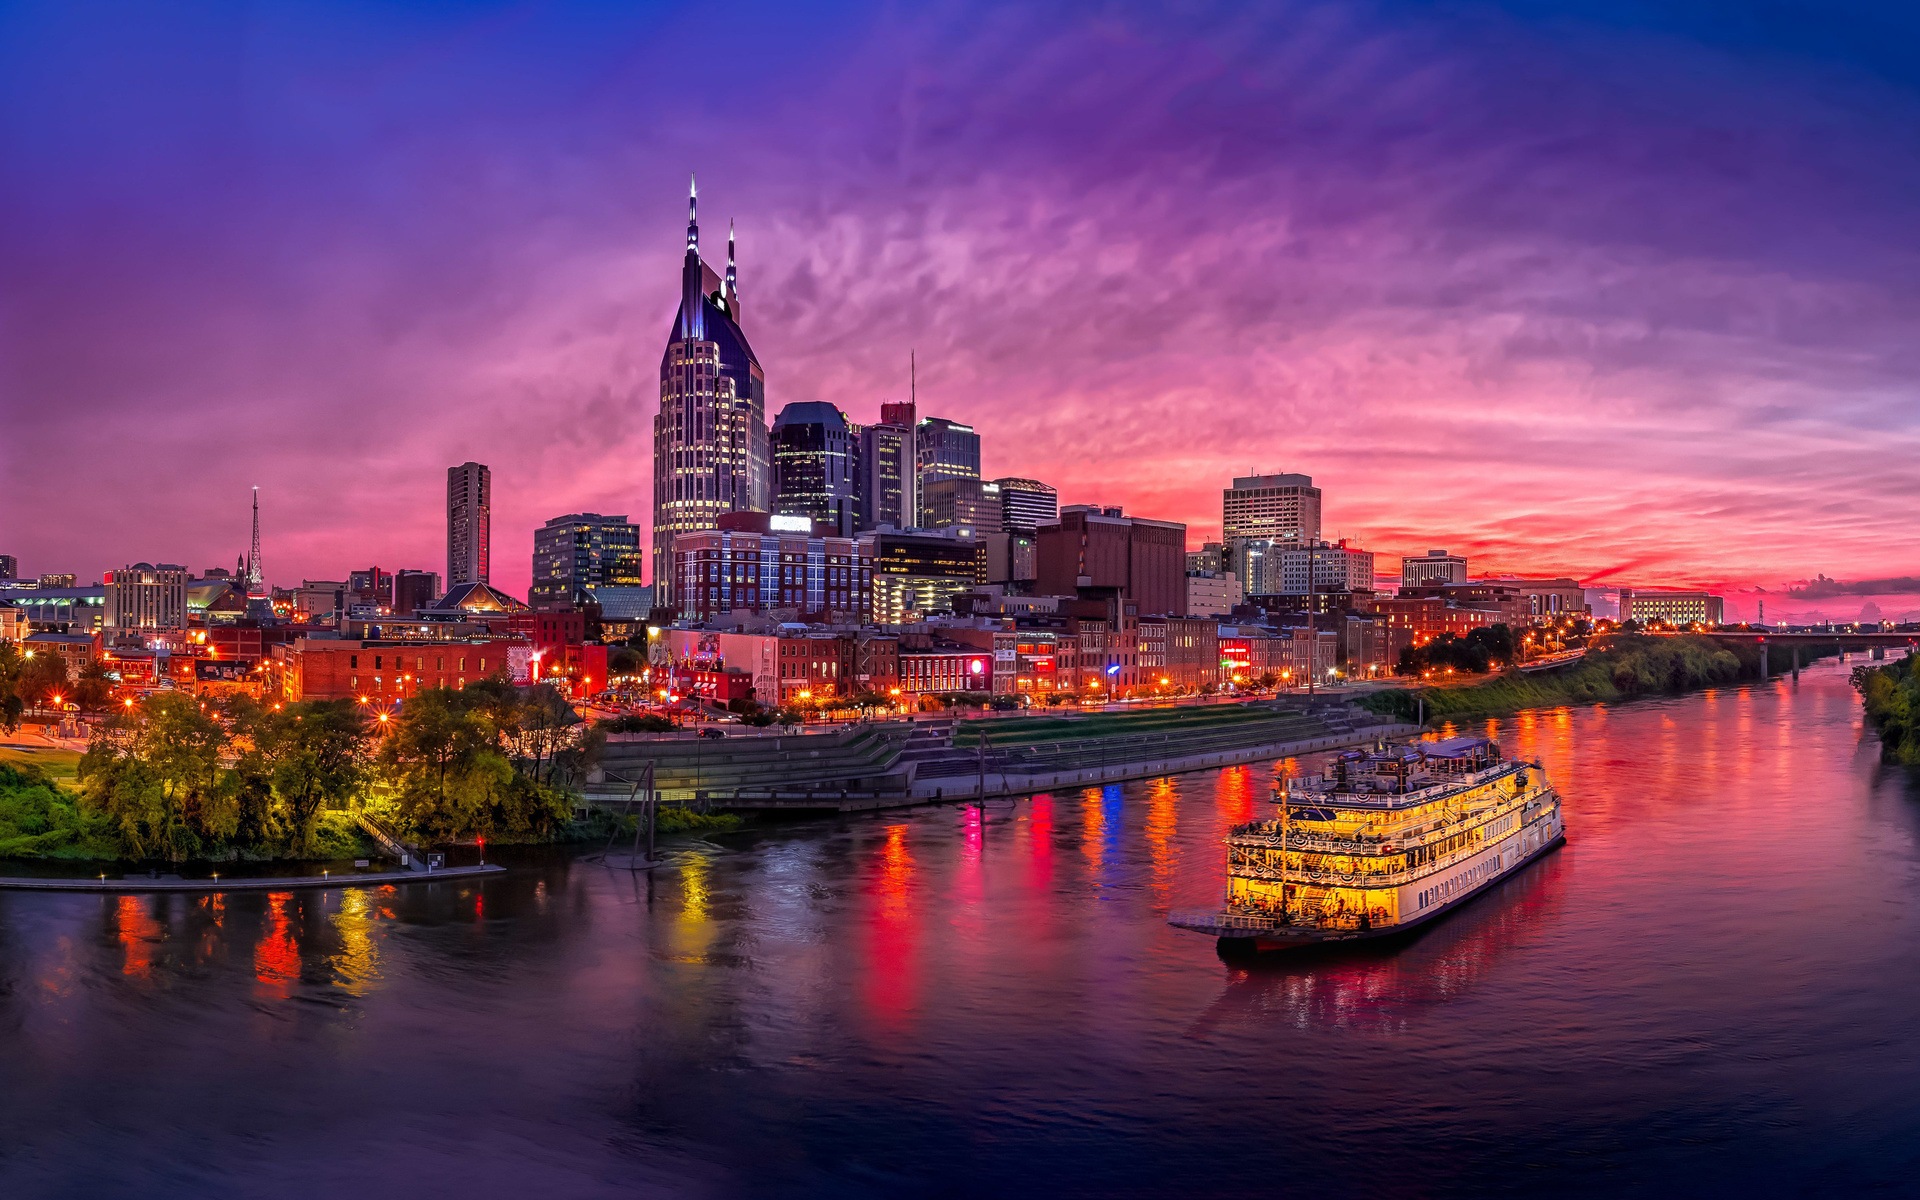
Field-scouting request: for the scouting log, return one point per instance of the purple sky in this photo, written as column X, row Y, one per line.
column 1624, row 294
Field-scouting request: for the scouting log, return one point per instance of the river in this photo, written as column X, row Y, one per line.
column 1710, row 988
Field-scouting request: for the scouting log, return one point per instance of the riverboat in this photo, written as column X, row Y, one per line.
column 1385, row 842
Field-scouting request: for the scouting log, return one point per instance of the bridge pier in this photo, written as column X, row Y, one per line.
column 1796, row 664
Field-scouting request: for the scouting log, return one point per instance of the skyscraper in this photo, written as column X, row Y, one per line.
column 469, row 523
column 944, row 450
column 1285, row 508
column 1027, row 504
column 816, row 460
column 1262, row 517
column 710, row 448
column 888, row 481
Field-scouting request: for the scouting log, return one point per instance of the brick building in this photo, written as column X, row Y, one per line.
column 1100, row 549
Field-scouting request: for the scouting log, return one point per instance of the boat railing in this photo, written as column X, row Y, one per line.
column 1359, row 878
column 1267, row 833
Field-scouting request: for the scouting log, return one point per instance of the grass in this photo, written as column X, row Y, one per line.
column 1030, row 730
column 59, row 765
column 1630, row 666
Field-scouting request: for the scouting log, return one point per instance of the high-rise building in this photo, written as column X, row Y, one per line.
column 816, row 467
column 9, row 567
column 1436, row 566
column 469, row 523
column 1027, row 504
column 1285, row 508
column 1261, row 517
column 710, row 448
column 1101, row 548
column 969, row 503
column 584, row 550
column 888, row 479
column 944, row 450
column 146, row 596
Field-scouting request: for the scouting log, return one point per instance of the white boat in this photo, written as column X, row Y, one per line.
column 1386, row 842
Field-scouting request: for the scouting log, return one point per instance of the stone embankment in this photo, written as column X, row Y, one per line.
column 893, row 764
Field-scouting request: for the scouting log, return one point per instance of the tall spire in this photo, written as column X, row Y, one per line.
column 693, row 213
column 731, row 280
column 256, row 584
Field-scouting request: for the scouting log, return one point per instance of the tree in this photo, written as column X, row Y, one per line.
column 41, row 677
column 93, row 691
column 153, row 771
column 11, row 661
column 314, row 757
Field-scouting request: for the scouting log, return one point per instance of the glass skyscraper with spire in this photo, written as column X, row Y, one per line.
column 710, row 448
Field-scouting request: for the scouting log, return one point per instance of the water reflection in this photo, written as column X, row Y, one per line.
column 1698, row 993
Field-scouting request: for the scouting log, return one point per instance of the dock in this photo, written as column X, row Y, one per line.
column 251, row 883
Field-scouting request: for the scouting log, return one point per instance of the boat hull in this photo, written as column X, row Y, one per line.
column 1238, row 942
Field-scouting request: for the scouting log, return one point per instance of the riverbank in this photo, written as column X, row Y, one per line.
column 1891, row 698
column 1629, row 667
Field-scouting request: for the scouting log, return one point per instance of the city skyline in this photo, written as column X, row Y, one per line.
column 1590, row 357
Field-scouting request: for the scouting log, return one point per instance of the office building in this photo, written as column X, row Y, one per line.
column 1211, row 556
column 1212, row 593
column 816, row 467
column 1101, row 548
column 1335, row 567
column 370, row 589
column 758, row 562
column 916, row 575
column 944, row 450
column 469, row 523
column 968, row 503
column 585, row 550
column 710, row 450
column 1261, row 516
column 1285, row 508
column 414, row 590
column 1026, row 504
column 887, row 480
column 9, row 567
column 1676, row 608
column 146, row 596
column 1436, row 566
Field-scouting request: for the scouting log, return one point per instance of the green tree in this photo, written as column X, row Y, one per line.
column 93, row 691
column 41, row 676
column 445, row 762
column 154, row 770
column 314, row 755
column 11, row 661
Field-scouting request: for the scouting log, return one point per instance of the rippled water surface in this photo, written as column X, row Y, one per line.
column 1714, row 986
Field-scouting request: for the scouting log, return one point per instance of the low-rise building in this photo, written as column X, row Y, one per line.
column 758, row 563
column 1678, row 608
column 1212, row 593
column 1436, row 566
column 944, row 668
column 383, row 672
